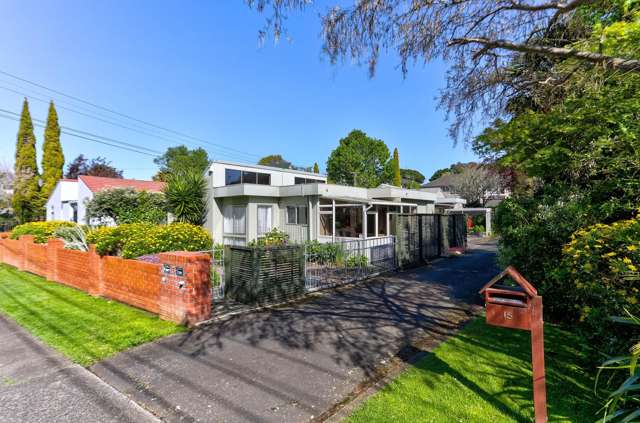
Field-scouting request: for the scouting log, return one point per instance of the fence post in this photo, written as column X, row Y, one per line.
column 444, row 235
column 185, row 292
column 97, row 286
column 53, row 247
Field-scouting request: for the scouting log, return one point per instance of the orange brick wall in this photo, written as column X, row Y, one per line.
column 183, row 299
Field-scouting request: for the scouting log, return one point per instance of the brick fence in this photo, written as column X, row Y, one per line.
column 177, row 289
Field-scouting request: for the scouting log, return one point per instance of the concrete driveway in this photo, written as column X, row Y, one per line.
column 295, row 363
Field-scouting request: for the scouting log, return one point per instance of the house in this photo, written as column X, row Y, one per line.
column 246, row 201
column 445, row 185
column 446, row 201
column 70, row 196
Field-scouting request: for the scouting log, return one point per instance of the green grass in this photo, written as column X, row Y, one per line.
column 484, row 375
column 84, row 328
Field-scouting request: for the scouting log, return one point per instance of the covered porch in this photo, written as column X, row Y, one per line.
column 348, row 218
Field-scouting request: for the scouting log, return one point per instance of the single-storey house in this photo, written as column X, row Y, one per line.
column 246, row 201
column 70, row 196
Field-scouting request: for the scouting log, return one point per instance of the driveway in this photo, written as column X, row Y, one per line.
column 37, row 384
column 294, row 363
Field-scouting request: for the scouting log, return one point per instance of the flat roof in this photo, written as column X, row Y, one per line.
column 272, row 168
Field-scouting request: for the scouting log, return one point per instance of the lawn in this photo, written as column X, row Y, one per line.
column 484, row 375
column 84, row 328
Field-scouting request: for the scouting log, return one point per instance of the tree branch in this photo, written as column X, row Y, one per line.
column 631, row 65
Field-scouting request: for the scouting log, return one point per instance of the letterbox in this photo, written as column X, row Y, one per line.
column 507, row 305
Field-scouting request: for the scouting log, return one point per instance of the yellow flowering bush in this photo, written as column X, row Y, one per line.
column 139, row 239
column 42, row 231
column 599, row 273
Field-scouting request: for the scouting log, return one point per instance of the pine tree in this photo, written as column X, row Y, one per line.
column 52, row 157
column 397, row 177
column 316, row 168
column 26, row 197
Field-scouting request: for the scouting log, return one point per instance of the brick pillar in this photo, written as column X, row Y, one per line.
column 53, row 246
column 96, row 287
column 185, row 292
column 25, row 242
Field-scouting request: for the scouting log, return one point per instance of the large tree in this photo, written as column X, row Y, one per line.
column 475, row 182
column 361, row 161
column 411, row 178
column 480, row 40
column 179, row 159
column 94, row 167
column 26, row 196
column 395, row 166
column 275, row 160
column 52, row 157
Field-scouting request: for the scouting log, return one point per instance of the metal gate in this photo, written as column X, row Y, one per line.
column 331, row 264
column 216, row 273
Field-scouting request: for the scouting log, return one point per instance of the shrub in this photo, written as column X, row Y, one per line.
column 126, row 205
column 138, row 239
column 42, row 231
column 357, row 260
column 325, row 253
column 74, row 237
column 273, row 238
column 599, row 277
column 186, row 194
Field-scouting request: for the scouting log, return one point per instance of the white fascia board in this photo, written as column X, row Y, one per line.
column 241, row 190
column 409, row 194
column 451, row 200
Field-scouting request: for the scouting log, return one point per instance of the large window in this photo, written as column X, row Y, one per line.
column 234, row 176
column 349, row 222
column 299, row 181
column 297, row 215
column 235, row 220
column 264, row 219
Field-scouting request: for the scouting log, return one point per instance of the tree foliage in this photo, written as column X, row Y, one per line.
column 275, row 160
column 180, row 159
column 186, row 194
column 395, row 164
column 361, row 161
column 26, row 196
column 126, row 205
column 411, row 178
column 316, row 168
column 52, row 157
column 474, row 183
column 94, row 167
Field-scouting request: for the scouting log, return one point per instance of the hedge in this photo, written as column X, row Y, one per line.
column 41, row 231
column 139, row 239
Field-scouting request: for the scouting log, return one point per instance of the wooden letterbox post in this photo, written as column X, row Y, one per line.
column 520, row 307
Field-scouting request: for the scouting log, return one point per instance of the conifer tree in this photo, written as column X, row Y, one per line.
column 52, row 157
column 26, row 197
column 316, row 168
column 397, row 177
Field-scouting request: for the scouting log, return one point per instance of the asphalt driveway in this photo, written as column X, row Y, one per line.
column 294, row 363
column 38, row 384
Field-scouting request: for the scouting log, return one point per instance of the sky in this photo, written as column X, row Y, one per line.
column 197, row 72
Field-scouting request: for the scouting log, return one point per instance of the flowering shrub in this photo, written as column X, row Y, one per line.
column 42, row 231
column 599, row 274
column 273, row 238
column 139, row 239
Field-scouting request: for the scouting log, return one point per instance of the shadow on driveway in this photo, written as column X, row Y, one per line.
column 294, row 363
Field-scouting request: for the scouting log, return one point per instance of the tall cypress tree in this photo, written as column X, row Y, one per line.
column 316, row 168
column 397, row 177
column 26, row 197
column 52, row 157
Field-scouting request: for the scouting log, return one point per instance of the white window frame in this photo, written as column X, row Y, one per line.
column 297, row 215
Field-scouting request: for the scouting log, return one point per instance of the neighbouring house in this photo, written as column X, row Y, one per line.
column 70, row 196
column 246, row 201
column 446, row 182
column 446, row 201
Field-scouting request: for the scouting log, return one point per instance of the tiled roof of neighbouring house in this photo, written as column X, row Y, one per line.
column 445, row 180
column 98, row 183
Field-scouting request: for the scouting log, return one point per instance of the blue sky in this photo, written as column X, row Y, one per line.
column 197, row 68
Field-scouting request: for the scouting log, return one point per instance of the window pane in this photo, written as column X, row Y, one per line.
column 264, row 179
column 303, row 216
column 264, row 219
column 291, row 215
column 249, row 177
column 232, row 176
column 349, row 222
column 239, row 220
column 299, row 181
column 326, row 224
column 228, row 220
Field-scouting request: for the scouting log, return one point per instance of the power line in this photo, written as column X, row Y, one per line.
column 85, row 138
column 172, row 141
column 106, row 109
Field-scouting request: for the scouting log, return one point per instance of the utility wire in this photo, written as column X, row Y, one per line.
column 172, row 141
column 86, row 138
column 106, row 109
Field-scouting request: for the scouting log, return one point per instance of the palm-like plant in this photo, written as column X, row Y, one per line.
column 623, row 404
column 185, row 193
